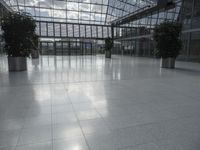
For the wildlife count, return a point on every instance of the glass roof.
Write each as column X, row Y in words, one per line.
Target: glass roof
column 89, row 11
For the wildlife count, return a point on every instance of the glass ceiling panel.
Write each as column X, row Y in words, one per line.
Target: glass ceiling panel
column 89, row 11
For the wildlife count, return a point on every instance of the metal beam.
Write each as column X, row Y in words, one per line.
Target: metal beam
column 151, row 35
column 66, row 37
column 141, row 13
column 4, row 4
column 85, row 24
column 134, row 37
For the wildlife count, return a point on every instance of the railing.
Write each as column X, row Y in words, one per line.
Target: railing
column 130, row 14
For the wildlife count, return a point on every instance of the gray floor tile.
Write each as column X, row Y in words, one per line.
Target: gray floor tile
column 95, row 126
column 149, row 146
column 70, row 144
column 68, row 130
column 118, row 104
column 9, row 138
column 37, row 146
column 35, row 135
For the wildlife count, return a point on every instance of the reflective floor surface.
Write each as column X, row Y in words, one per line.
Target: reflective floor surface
column 93, row 103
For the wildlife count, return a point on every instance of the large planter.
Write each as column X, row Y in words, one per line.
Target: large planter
column 35, row 54
column 168, row 63
column 17, row 63
column 108, row 54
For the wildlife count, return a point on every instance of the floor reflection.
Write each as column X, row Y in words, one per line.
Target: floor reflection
column 93, row 103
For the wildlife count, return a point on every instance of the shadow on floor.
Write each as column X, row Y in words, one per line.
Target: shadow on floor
column 188, row 71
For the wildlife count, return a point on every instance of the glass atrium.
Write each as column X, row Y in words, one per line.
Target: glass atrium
column 72, row 97
column 79, row 27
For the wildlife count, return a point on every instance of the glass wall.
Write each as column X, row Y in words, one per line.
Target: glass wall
column 190, row 18
column 68, row 47
column 141, row 36
column 194, row 52
column 88, row 20
column 72, row 30
column 3, row 11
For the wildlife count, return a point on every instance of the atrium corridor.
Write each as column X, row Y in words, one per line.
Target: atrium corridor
column 93, row 103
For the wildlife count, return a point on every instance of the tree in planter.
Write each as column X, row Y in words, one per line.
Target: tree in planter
column 19, row 36
column 168, row 43
column 108, row 46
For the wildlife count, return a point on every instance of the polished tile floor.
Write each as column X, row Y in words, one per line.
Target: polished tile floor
column 92, row 103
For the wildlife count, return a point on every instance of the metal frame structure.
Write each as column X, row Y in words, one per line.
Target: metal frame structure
column 87, row 11
column 143, row 12
column 4, row 9
column 69, row 47
column 89, row 21
column 93, row 12
column 50, row 29
column 190, row 18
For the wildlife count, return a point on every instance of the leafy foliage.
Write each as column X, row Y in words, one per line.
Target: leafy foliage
column 166, row 36
column 19, row 34
column 108, row 44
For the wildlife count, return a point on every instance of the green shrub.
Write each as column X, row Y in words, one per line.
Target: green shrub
column 108, row 44
column 166, row 36
column 19, row 34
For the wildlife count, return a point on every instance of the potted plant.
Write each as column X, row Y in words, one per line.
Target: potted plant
column 18, row 34
column 108, row 47
column 168, row 42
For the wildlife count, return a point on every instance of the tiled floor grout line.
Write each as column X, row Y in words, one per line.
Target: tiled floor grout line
column 151, row 123
column 18, row 139
column 21, row 131
column 73, row 82
column 33, row 126
column 41, row 142
column 51, row 120
column 74, row 110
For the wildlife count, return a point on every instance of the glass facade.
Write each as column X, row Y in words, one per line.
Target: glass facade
column 190, row 18
column 80, row 26
column 89, row 11
column 4, row 9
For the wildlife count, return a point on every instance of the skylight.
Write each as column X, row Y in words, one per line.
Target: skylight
column 86, row 11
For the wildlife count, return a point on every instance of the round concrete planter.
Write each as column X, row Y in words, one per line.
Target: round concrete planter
column 17, row 63
column 108, row 54
column 168, row 63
